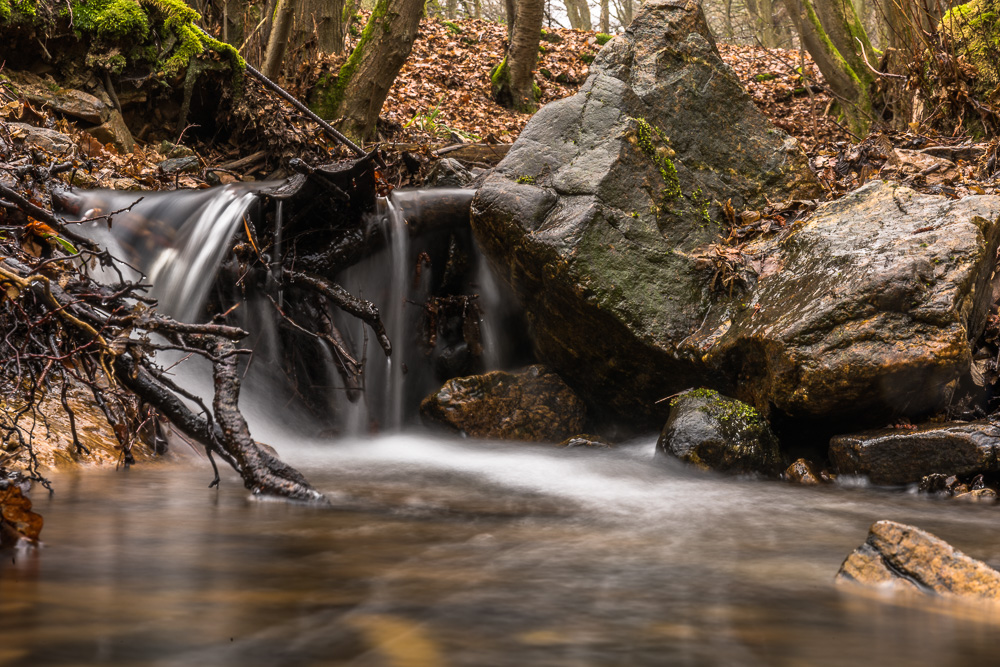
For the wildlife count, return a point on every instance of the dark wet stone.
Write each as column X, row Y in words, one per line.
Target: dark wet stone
column 180, row 164
column 449, row 173
column 719, row 433
column 898, row 556
column 865, row 309
column 43, row 138
column 532, row 404
column 903, row 456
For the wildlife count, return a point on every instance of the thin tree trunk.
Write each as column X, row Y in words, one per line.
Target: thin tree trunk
column 605, row 16
column 357, row 93
column 578, row 12
column 510, row 10
column 834, row 37
column 513, row 79
column 276, row 45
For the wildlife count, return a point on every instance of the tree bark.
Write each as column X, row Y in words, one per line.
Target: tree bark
column 578, row 12
column 357, row 93
column 278, row 41
column 513, row 79
column 605, row 17
column 835, row 38
column 510, row 11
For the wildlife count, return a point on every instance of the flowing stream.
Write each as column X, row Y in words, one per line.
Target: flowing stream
column 446, row 551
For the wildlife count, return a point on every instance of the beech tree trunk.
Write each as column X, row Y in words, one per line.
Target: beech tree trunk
column 605, row 17
column 323, row 19
column 832, row 33
column 281, row 28
column 510, row 10
column 513, row 80
column 355, row 96
column 578, row 12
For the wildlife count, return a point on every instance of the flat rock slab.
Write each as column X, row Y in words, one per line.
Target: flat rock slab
column 43, row 138
column 904, row 456
column 898, row 556
column 69, row 102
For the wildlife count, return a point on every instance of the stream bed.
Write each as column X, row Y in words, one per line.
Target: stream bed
column 456, row 552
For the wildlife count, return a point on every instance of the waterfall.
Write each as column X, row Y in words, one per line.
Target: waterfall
column 180, row 239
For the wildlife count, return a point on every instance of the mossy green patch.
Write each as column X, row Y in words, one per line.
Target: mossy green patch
column 647, row 138
column 17, row 11
column 603, row 38
column 975, row 31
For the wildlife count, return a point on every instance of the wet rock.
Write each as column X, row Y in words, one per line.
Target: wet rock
column 449, row 173
column 586, row 440
column 966, row 487
column 532, row 404
column 896, row 555
column 68, row 102
column 171, row 149
column 17, row 521
column 719, row 433
column 43, row 138
column 180, row 165
column 115, row 132
column 903, row 456
column 602, row 219
column 804, row 472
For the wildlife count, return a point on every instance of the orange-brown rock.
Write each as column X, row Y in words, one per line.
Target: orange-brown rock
column 804, row 472
column 17, row 521
column 532, row 404
column 899, row 556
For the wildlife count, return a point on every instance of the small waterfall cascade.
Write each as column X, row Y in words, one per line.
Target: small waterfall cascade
column 177, row 239
column 440, row 304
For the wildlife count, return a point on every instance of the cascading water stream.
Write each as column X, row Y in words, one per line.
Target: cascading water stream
column 180, row 239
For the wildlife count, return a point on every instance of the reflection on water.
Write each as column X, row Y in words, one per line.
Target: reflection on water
column 473, row 554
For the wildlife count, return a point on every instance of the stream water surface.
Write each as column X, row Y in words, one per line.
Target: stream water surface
column 440, row 552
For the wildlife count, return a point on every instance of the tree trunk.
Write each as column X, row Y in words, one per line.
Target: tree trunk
column 578, row 12
column 278, row 42
column 451, row 10
column 605, row 17
column 513, row 79
column 835, row 38
column 358, row 91
column 510, row 10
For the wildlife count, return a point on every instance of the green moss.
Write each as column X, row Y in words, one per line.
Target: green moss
column 603, row 38
column 550, row 36
column 526, row 180
column 587, row 57
column 701, row 392
column 453, row 28
column 17, row 11
column 647, row 137
column 975, row 31
column 765, row 77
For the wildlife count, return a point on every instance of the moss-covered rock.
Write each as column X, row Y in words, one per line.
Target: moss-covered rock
column 715, row 432
column 974, row 29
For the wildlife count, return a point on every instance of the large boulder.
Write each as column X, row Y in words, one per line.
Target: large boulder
column 716, row 432
column 905, row 456
column 532, row 404
column 898, row 556
column 604, row 215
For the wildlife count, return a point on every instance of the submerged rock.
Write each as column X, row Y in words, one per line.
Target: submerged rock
column 532, row 404
column 905, row 456
column 17, row 521
column 586, row 440
column 898, row 556
column 602, row 219
column 719, row 433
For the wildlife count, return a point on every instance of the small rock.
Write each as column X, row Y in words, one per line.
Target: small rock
column 719, row 433
column 17, row 521
column 171, row 149
column 804, row 472
column 43, row 138
column 115, row 132
column 449, row 173
column 902, row 456
column 180, row 165
column 532, row 404
column 585, row 440
column 899, row 556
